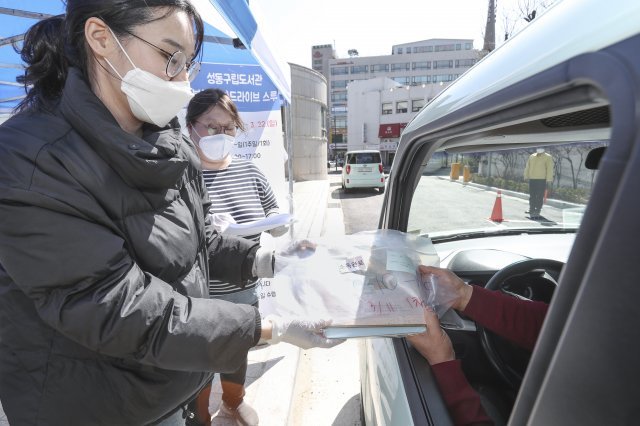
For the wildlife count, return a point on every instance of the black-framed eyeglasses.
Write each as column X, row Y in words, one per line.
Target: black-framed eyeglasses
column 216, row 130
column 177, row 61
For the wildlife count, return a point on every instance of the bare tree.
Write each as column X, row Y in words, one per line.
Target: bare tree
column 508, row 24
column 527, row 10
column 575, row 155
column 557, row 165
column 509, row 162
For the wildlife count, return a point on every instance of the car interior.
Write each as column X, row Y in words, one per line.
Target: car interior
column 585, row 99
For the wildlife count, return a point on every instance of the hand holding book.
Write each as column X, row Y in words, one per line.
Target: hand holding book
column 368, row 284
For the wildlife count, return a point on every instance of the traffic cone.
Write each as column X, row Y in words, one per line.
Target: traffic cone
column 496, row 214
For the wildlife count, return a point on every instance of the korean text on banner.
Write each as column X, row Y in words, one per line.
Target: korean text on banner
column 259, row 103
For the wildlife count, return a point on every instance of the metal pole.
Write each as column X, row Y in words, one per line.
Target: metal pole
column 288, row 137
column 335, row 144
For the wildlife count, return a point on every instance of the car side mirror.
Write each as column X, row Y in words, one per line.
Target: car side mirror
column 593, row 158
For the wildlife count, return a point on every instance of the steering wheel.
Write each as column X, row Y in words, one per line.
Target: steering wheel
column 489, row 340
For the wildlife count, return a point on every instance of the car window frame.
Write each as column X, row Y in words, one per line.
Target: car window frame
column 600, row 72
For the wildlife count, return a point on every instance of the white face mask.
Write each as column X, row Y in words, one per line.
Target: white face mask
column 216, row 147
column 152, row 99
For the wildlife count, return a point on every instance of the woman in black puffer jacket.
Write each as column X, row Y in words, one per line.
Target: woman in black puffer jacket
column 104, row 235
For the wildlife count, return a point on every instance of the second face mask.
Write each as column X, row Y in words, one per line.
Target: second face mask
column 216, row 147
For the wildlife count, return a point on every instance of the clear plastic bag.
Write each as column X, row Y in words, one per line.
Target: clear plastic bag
column 365, row 279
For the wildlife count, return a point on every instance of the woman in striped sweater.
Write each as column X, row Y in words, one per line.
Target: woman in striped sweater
column 239, row 189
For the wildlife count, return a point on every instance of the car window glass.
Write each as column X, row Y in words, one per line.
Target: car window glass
column 469, row 191
column 366, row 158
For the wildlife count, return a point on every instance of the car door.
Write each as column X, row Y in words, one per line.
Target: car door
column 583, row 370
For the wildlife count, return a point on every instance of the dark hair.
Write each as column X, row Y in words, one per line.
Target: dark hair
column 54, row 44
column 203, row 101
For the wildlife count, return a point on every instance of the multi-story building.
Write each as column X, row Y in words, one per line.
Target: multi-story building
column 429, row 65
column 320, row 57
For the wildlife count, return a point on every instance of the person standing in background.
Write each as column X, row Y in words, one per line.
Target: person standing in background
column 539, row 173
column 239, row 189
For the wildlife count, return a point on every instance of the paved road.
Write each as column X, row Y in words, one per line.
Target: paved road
column 439, row 204
column 360, row 207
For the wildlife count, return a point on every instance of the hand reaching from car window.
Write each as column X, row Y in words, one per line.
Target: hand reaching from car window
column 449, row 283
column 434, row 344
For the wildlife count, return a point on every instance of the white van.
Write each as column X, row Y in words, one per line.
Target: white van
column 363, row 169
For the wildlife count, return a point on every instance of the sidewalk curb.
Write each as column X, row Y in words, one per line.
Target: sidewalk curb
column 272, row 370
column 322, row 391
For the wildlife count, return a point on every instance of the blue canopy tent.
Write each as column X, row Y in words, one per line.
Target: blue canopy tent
column 232, row 36
column 233, row 15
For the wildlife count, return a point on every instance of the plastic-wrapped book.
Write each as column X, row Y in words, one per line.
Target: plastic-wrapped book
column 367, row 284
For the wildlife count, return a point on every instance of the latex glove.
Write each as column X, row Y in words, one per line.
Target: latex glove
column 279, row 231
column 298, row 249
column 304, row 334
column 221, row 221
column 263, row 263
column 445, row 288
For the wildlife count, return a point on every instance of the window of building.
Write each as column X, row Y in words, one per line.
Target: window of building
column 420, row 79
column 458, row 46
column 423, row 65
column 468, row 46
column 465, row 62
column 338, row 84
column 442, row 64
column 359, row 69
column 340, row 122
column 339, row 96
column 317, row 62
column 402, row 106
column 403, row 66
column 379, row 67
column 399, row 50
column 439, row 78
column 445, row 47
column 323, row 120
column 339, row 70
column 387, row 108
column 417, row 104
column 402, row 80
column 338, row 109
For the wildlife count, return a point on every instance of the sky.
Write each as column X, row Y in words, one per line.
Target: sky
column 371, row 27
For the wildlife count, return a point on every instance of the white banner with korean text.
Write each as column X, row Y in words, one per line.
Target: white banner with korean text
column 258, row 102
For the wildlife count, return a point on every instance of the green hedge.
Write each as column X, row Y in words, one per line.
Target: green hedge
column 498, row 182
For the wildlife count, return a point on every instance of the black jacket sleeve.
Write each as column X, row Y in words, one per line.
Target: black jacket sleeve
column 84, row 284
